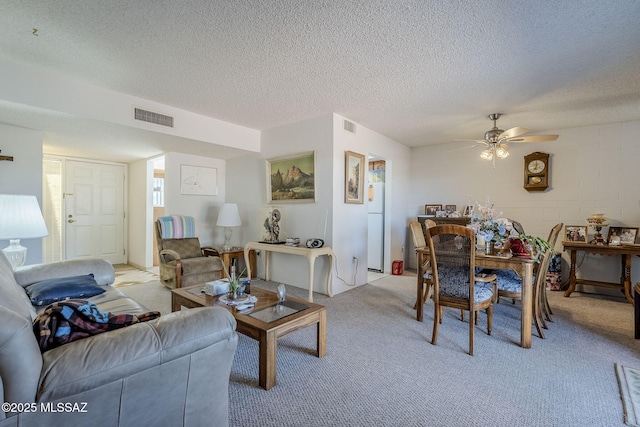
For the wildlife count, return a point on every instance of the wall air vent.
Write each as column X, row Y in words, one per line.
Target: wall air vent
column 151, row 117
column 349, row 126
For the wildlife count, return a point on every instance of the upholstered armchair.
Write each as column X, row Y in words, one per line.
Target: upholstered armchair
column 183, row 262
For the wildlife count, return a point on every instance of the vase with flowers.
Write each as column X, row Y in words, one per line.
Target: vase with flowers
column 490, row 228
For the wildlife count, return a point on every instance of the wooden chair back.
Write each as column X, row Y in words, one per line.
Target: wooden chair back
column 452, row 254
column 417, row 234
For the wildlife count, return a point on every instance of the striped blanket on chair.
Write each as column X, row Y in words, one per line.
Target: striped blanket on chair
column 177, row 226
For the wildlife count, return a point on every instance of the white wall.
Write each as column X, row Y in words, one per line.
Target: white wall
column 247, row 186
column 203, row 208
column 351, row 220
column 593, row 169
column 346, row 229
column 140, row 216
column 39, row 88
column 23, row 175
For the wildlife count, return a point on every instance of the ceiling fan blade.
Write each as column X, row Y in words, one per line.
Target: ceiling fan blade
column 466, row 147
column 476, row 141
column 534, row 138
column 510, row 133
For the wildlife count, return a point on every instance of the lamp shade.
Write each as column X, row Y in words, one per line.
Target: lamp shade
column 20, row 217
column 229, row 216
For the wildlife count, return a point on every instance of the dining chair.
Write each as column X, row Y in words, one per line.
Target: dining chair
column 553, row 238
column 419, row 242
column 452, row 255
column 510, row 284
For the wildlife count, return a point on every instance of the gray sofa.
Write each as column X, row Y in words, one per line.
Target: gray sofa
column 173, row 370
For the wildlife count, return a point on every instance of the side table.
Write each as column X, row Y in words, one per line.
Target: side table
column 626, row 252
column 228, row 256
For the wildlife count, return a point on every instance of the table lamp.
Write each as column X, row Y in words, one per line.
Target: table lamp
column 227, row 218
column 597, row 221
column 20, row 218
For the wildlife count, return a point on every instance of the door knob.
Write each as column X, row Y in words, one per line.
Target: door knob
column 71, row 220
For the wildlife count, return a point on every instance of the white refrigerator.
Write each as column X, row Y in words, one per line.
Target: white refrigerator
column 375, row 204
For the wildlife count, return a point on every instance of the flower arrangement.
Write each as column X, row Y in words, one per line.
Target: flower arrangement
column 488, row 224
column 532, row 246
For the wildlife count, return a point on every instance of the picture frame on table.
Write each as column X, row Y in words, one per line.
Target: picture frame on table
column 430, row 210
column 575, row 233
column 291, row 179
column 354, row 169
column 441, row 214
column 622, row 235
column 468, row 210
column 449, row 209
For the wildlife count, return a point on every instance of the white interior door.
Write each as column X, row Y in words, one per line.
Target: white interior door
column 94, row 211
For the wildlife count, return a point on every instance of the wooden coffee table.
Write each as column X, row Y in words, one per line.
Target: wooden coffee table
column 266, row 334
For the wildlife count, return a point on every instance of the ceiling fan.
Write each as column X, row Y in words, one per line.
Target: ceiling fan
column 496, row 140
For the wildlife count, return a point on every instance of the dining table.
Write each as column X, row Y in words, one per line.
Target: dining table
column 521, row 265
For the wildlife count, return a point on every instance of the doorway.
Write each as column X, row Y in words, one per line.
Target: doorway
column 94, row 211
column 375, row 196
column 84, row 206
column 158, row 199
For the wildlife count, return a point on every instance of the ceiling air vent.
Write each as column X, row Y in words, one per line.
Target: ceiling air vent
column 151, row 117
column 349, row 126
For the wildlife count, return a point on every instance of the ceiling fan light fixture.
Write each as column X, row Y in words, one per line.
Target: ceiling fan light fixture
column 486, row 155
column 502, row 151
column 493, row 134
column 496, row 140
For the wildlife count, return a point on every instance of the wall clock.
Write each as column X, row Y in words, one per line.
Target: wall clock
column 536, row 171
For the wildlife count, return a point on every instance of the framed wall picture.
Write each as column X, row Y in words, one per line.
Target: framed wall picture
column 354, row 168
column 575, row 233
column 622, row 235
column 292, row 178
column 430, row 210
column 198, row 180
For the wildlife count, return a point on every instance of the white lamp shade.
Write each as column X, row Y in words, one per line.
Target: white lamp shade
column 20, row 217
column 229, row 216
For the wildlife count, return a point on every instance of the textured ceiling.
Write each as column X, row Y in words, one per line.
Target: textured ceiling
column 420, row 72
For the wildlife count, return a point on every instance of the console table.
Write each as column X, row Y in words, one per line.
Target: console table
column 626, row 251
column 308, row 253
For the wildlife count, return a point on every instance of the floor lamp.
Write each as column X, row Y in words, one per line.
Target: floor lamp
column 20, row 218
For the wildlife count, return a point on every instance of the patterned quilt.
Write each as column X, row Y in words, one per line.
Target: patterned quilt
column 74, row 319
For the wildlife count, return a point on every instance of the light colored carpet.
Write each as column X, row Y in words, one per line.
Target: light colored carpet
column 381, row 369
column 629, row 382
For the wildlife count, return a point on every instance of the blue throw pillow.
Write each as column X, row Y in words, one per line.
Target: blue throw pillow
column 52, row 290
